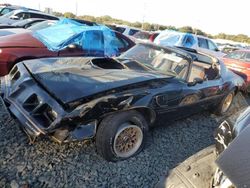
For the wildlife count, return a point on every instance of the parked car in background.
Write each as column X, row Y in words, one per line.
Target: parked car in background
column 18, row 47
column 145, row 36
column 22, row 14
column 37, row 26
column 223, row 165
column 153, row 36
column 22, row 24
column 3, row 5
column 188, row 40
column 142, row 36
column 239, row 62
column 9, row 8
column 126, row 30
column 116, row 100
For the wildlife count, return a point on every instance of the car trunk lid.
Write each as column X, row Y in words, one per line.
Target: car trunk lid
column 23, row 40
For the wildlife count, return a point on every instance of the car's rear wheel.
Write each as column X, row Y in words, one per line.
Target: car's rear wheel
column 225, row 104
column 121, row 135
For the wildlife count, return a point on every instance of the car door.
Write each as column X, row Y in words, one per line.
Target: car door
column 208, row 90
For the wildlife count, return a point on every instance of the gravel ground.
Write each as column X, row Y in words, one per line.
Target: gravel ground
column 48, row 164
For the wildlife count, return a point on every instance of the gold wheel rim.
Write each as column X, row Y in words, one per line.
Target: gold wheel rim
column 227, row 102
column 128, row 140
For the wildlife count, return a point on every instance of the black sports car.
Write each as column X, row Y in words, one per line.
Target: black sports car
column 116, row 100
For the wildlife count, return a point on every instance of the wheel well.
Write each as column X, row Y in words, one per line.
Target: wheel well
column 147, row 113
column 236, row 89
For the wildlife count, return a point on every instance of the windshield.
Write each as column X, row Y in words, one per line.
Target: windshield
column 159, row 60
column 8, row 14
column 5, row 11
column 42, row 25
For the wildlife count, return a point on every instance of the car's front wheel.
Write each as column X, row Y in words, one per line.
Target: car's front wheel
column 121, row 135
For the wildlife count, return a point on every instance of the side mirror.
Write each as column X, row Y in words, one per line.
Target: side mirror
column 14, row 17
column 195, row 81
column 216, row 49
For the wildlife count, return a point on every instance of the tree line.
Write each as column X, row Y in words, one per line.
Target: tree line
column 108, row 20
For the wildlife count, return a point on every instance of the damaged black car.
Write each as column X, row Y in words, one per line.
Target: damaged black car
column 116, row 100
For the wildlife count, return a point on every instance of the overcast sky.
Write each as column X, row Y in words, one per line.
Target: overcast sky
column 211, row 16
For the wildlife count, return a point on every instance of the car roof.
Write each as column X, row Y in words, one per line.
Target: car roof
column 32, row 11
column 20, row 7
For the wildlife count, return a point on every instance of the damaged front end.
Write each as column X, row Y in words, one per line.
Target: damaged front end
column 36, row 110
column 42, row 110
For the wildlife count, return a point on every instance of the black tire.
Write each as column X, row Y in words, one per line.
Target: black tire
column 110, row 127
column 219, row 110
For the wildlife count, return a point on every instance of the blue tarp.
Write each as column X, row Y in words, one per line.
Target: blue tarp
column 94, row 40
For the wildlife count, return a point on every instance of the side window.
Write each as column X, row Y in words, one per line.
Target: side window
column 202, row 43
column 33, row 15
column 247, row 58
column 26, row 15
column 204, row 72
column 188, row 41
column 212, row 46
column 22, row 15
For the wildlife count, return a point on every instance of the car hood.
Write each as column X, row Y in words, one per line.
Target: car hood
column 21, row 40
column 71, row 79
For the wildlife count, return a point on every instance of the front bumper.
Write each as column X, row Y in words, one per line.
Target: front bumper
column 38, row 113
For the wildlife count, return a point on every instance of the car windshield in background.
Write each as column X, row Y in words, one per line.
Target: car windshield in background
column 42, row 25
column 159, row 60
column 142, row 35
column 5, row 11
column 7, row 15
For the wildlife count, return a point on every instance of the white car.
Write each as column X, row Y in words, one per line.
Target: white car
column 188, row 40
column 17, row 15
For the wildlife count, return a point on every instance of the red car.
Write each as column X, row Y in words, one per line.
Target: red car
column 239, row 62
column 16, row 48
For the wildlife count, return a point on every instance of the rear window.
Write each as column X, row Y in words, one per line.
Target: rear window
column 120, row 29
column 132, row 32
